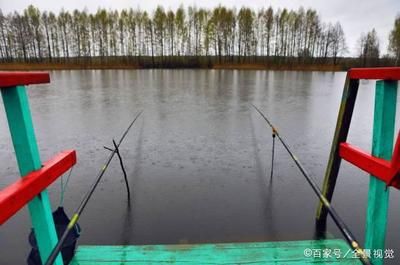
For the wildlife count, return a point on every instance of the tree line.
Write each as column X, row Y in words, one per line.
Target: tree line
column 226, row 34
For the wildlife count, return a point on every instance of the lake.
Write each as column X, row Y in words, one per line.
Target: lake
column 199, row 157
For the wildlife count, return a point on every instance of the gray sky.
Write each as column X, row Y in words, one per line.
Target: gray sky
column 356, row 16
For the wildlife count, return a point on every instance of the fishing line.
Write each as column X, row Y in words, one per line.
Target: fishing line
column 64, row 186
column 331, row 210
column 78, row 212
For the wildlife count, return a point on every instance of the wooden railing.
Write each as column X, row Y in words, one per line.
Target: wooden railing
column 384, row 168
column 31, row 188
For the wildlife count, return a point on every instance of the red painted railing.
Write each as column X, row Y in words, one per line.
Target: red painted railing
column 11, row 79
column 387, row 171
column 384, row 73
column 18, row 194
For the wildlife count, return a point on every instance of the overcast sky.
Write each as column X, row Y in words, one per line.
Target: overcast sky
column 356, row 16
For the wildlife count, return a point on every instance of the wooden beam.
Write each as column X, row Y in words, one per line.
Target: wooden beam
column 382, row 147
column 378, row 167
column 18, row 194
column 12, row 79
column 387, row 171
column 384, row 73
column 341, row 132
column 23, row 137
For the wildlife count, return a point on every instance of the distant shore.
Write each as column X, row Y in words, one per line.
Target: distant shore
column 304, row 67
column 189, row 62
column 228, row 66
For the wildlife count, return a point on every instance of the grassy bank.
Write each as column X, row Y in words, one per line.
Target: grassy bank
column 59, row 66
column 304, row 67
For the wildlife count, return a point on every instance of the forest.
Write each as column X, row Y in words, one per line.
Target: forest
column 185, row 37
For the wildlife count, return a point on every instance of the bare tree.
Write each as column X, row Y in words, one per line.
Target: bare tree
column 369, row 47
column 223, row 32
column 394, row 40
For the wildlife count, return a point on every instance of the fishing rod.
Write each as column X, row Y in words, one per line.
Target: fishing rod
column 331, row 210
column 78, row 212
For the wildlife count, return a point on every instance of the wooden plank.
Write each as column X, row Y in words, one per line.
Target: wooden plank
column 23, row 137
column 18, row 194
column 12, row 79
column 384, row 73
column 382, row 146
column 341, row 132
column 288, row 253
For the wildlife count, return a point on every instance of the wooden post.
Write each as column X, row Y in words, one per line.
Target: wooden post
column 382, row 147
column 341, row 132
column 28, row 159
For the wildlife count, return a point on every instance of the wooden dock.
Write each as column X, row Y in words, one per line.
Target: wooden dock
column 280, row 253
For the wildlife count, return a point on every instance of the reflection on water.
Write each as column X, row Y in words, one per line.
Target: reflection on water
column 198, row 160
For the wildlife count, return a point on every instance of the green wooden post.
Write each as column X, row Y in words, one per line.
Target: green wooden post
column 28, row 159
column 382, row 146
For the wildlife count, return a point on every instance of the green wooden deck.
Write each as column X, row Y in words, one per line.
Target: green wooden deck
column 290, row 253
